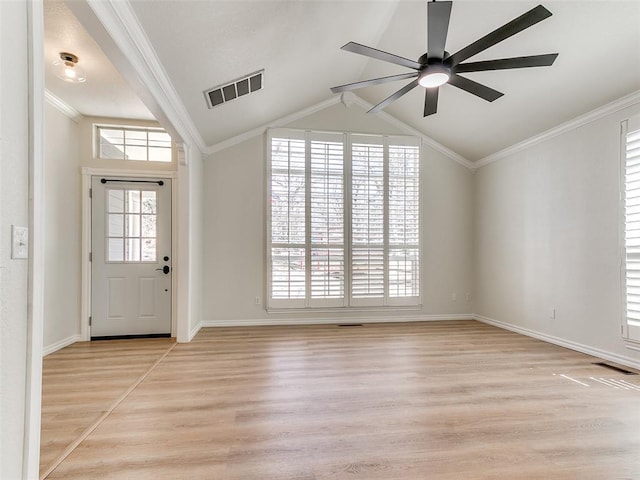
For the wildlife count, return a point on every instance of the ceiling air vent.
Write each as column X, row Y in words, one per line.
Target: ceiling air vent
column 235, row 89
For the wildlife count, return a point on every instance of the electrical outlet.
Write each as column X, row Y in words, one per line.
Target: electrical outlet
column 257, row 301
column 454, row 297
column 468, row 297
column 552, row 313
column 19, row 242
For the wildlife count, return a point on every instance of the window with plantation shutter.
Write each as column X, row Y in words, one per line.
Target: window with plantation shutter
column 367, row 220
column 343, row 220
column 631, row 198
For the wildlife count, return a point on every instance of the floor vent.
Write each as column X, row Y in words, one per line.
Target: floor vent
column 234, row 89
column 349, row 324
column 617, row 369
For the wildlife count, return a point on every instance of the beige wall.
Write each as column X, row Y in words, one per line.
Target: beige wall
column 234, row 222
column 547, row 223
column 62, row 229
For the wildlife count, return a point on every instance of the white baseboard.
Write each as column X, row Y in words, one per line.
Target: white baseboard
column 49, row 349
column 256, row 322
column 194, row 331
column 579, row 347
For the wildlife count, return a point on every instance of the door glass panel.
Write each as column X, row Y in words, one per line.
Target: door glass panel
column 116, row 250
column 148, row 202
column 116, row 225
column 148, row 249
column 131, row 235
column 132, row 250
column 116, row 201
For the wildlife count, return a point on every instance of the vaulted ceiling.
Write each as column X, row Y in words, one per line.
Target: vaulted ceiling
column 203, row 44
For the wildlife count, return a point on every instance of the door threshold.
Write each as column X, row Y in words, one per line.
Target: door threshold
column 129, row 337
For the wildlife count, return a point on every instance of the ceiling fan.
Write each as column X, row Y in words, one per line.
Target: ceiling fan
column 437, row 67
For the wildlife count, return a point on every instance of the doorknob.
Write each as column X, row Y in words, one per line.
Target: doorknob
column 166, row 269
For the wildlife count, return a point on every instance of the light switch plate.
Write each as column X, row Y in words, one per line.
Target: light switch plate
column 19, row 242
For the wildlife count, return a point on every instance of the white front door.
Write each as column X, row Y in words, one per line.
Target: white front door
column 131, row 257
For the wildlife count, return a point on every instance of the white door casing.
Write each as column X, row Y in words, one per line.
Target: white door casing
column 131, row 256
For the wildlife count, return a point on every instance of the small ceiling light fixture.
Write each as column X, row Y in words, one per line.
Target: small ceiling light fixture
column 67, row 68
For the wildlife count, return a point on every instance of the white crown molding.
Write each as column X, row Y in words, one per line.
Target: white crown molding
column 62, row 106
column 280, row 122
column 592, row 116
column 349, row 99
column 412, row 131
column 121, row 22
column 578, row 347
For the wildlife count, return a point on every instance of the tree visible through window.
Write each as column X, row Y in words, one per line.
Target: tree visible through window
column 344, row 218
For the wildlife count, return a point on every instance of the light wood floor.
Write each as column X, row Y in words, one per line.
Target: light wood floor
column 440, row 400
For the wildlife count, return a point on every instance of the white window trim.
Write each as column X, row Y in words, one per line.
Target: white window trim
column 347, row 303
column 140, row 128
column 630, row 333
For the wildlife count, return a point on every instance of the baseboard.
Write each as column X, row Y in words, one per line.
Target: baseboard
column 194, row 331
column 257, row 322
column 579, row 347
column 49, row 349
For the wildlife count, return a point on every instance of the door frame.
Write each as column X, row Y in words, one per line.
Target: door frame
column 85, row 302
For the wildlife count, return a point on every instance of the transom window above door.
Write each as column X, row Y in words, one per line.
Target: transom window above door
column 131, row 225
column 133, row 143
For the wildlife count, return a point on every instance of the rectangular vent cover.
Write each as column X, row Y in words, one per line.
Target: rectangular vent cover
column 235, row 89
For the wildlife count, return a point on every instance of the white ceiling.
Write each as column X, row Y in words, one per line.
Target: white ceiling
column 105, row 93
column 202, row 44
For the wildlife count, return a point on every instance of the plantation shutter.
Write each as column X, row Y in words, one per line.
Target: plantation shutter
column 367, row 220
column 327, row 256
column 403, row 262
column 287, row 286
column 343, row 220
column 632, row 228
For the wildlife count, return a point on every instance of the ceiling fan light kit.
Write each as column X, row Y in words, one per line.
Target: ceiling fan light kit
column 436, row 67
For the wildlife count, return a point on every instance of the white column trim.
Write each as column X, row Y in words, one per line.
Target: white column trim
column 35, row 283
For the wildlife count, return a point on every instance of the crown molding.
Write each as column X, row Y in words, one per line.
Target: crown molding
column 121, row 23
column 62, row 106
column 412, row 131
column 592, row 116
column 347, row 100
column 280, row 122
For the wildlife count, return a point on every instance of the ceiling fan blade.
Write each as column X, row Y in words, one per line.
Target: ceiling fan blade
column 507, row 63
column 394, row 97
column 374, row 81
column 438, row 15
column 482, row 91
column 524, row 21
column 380, row 55
column 430, row 101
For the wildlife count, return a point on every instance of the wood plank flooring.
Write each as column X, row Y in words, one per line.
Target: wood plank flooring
column 437, row 400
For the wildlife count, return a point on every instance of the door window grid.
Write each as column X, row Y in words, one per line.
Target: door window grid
column 131, row 226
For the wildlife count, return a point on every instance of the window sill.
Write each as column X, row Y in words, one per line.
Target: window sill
column 372, row 309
